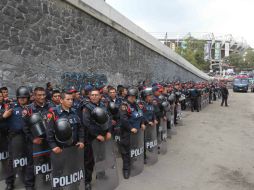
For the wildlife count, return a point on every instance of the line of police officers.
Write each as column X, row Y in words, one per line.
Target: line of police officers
column 73, row 120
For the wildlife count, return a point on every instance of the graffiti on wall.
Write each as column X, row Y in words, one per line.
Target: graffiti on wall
column 80, row 80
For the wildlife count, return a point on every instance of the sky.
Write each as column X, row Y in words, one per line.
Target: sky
column 179, row 17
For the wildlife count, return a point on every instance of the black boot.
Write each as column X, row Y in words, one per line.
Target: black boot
column 9, row 187
column 88, row 186
column 126, row 174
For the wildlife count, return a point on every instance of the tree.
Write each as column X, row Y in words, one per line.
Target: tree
column 241, row 61
column 193, row 51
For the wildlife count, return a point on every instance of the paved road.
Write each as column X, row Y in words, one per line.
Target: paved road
column 213, row 150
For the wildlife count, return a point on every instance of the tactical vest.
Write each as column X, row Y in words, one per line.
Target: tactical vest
column 135, row 116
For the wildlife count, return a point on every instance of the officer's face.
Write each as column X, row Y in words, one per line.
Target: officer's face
column 23, row 101
column 157, row 93
column 77, row 95
column 149, row 98
column 1, row 98
column 56, row 98
column 112, row 94
column 40, row 97
column 105, row 90
column 67, row 101
column 132, row 99
column 95, row 96
column 5, row 93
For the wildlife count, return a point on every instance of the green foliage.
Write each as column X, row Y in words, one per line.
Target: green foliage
column 242, row 61
column 194, row 53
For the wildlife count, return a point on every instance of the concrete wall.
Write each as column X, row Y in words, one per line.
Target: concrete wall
column 42, row 39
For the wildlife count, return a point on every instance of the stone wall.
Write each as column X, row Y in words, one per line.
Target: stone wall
column 42, row 39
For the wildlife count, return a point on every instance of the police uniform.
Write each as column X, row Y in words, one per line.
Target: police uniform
column 35, row 108
column 194, row 99
column 149, row 116
column 131, row 117
column 16, row 125
column 92, row 130
column 177, row 97
column 77, row 129
column 158, row 109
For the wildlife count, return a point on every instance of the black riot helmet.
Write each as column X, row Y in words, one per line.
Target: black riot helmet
column 101, row 117
column 171, row 98
column 162, row 98
column 23, row 92
column 178, row 94
column 146, row 92
column 113, row 108
column 132, row 92
column 165, row 105
column 37, row 124
column 63, row 131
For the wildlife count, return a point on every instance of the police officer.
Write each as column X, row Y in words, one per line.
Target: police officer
column 149, row 114
column 148, row 108
column 5, row 112
column 224, row 94
column 66, row 111
column 158, row 108
column 55, row 99
column 95, row 128
column 122, row 92
column 194, row 98
column 112, row 96
column 49, row 91
column 131, row 121
column 113, row 107
column 40, row 105
column 177, row 93
column 5, row 93
column 16, row 125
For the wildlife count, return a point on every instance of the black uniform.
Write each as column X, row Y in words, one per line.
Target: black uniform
column 34, row 108
column 131, row 117
column 92, row 130
column 224, row 94
column 177, row 97
column 75, row 123
column 16, row 124
column 194, row 99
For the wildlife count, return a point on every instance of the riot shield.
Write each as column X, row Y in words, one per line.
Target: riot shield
column 68, row 169
column 4, row 156
column 42, row 165
column 117, row 139
column 137, row 152
column 164, row 133
column 105, row 165
column 169, row 126
column 18, row 154
column 151, row 145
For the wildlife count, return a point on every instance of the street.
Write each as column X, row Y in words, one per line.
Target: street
column 212, row 150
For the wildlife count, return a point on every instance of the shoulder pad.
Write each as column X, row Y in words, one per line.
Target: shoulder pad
column 89, row 106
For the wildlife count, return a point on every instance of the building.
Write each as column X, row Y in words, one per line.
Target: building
column 216, row 48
